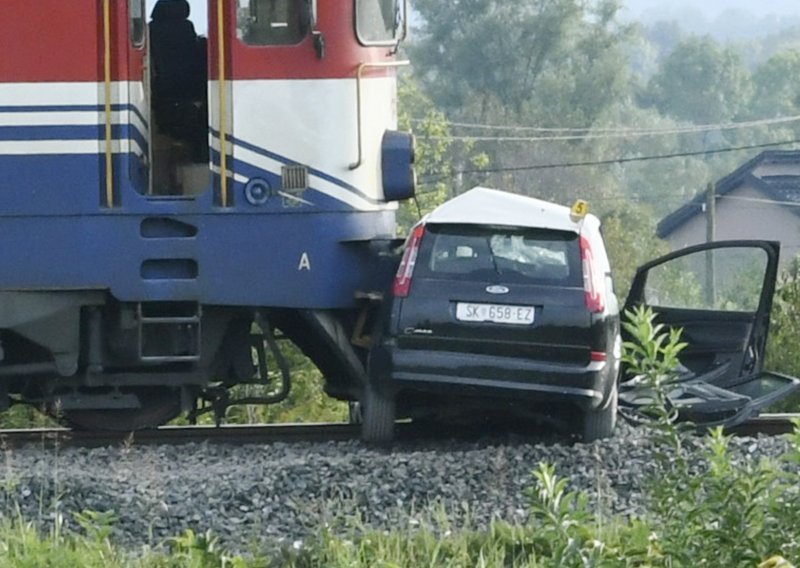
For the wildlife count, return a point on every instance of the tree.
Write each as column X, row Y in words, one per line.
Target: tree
column 505, row 59
column 433, row 161
column 435, row 152
column 700, row 82
column 629, row 233
column 776, row 84
column 544, row 63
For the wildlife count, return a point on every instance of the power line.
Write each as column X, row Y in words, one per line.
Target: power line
column 760, row 200
column 613, row 161
column 606, row 131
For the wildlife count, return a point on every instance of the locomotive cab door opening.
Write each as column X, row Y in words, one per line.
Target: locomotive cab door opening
column 178, row 62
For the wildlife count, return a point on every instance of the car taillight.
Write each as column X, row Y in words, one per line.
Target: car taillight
column 593, row 279
column 402, row 281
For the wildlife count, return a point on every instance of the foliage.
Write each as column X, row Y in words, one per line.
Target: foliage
column 25, row 416
column 777, row 86
column 201, row 551
column 525, row 52
column 782, row 353
column 433, row 163
column 436, row 153
column 307, row 401
column 701, row 82
column 24, row 545
column 522, row 63
column 573, row 67
column 710, row 511
column 629, row 234
column 652, row 359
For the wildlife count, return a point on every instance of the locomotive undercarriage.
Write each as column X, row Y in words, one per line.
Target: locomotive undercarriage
column 96, row 363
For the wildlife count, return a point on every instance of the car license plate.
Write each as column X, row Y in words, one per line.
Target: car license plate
column 497, row 313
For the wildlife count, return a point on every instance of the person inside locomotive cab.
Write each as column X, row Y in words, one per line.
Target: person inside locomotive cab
column 180, row 75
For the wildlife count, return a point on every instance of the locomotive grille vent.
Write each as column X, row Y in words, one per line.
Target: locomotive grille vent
column 295, row 178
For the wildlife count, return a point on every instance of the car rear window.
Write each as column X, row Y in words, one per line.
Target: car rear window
column 534, row 256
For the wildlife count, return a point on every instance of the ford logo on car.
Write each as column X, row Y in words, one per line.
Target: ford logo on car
column 497, row 290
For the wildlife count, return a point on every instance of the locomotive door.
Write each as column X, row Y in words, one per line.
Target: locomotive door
column 178, row 73
column 267, row 56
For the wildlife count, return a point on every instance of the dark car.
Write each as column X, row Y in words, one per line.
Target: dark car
column 500, row 302
column 505, row 304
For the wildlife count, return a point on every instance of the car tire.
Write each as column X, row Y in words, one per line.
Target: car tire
column 599, row 423
column 378, row 416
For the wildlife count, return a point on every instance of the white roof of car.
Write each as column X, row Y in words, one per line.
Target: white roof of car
column 484, row 206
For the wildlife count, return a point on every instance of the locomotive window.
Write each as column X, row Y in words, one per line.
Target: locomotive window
column 379, row 21
column 137, row 18
column 272, row 22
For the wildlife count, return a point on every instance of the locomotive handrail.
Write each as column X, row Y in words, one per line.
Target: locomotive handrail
column 223, row 111
column 109, row 135
column 361, row 67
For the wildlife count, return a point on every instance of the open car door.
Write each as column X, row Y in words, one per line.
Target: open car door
column 720, row 294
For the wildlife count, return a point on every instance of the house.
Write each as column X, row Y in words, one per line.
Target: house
column 760, row 200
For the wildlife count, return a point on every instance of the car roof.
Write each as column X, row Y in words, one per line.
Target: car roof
column 484, row 206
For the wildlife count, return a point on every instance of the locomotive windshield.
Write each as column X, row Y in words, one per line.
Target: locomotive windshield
column 379, row 21
column 272, row 22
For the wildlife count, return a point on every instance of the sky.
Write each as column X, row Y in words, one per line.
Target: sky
column 713, row 8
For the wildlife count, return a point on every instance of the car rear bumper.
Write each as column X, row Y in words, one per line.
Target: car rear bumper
column 492, row 376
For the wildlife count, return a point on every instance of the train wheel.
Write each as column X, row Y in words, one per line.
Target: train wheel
column 158, row 406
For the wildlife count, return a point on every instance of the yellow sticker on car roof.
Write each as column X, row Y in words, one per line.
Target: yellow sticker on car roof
column 579, row 210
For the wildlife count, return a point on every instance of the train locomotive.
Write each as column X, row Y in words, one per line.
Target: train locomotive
column 171, row 203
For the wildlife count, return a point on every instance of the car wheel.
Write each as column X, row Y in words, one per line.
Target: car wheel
column 599, row 423
column 378, row 416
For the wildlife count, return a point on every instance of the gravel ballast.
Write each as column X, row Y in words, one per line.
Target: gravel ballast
column 253, row 497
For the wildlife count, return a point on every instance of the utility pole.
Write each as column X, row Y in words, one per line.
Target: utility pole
column 711, row 230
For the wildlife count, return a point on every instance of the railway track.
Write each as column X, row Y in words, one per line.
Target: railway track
column 176, row 435
column 767, row 424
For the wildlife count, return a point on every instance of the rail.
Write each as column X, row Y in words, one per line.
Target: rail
column 767, row 424
column 178, row 435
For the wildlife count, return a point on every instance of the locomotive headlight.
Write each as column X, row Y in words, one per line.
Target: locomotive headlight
column 397, row 161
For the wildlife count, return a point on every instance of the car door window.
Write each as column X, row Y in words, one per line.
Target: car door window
column 725, row 279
